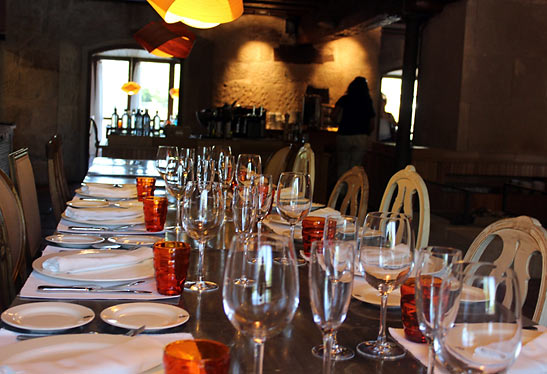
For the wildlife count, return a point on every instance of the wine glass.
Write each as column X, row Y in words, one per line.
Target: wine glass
column 247, row 166
column 164, row 152
column 294, row 198
column 202, row 217
column 226, row 164
column 244, row 208
column 433, row 265
column 175, row 181
column 330, row 282
column 264, row 186
column 344, row 229
column 188, row 154
column 483, row 328
column 267, row 305
column 386, row 257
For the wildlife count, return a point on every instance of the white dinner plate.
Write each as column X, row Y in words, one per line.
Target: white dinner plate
column 276, row 218
column 47, row 316
column 115, row 222
column 365, row 292
column 130, row 241
column 140, row 270
column 74, row 240
column 129, row 203
column 155, row 316
column 80, row 192
column 88, row 203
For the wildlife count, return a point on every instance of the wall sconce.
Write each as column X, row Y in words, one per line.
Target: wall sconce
column 174, row 93
column 166, row 39
column 131, row 88
column 201, row 14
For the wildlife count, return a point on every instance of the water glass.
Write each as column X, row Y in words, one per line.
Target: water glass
column 248, row 165
column 155, row 212
column 196, row 356
column 162, row 154
column 170, row 266
column 264, row 186
column 145, row 187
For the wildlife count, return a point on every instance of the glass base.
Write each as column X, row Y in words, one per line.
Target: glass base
column 200, row 286
column 284, row 261
column 244, row 282
column 340, row 353
column 388, row 351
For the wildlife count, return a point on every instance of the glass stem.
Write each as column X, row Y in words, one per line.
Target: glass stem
column 178, row 215
column 334, row 342
column 259, row 227
column 383, row 310
column 328, row 338
column 291, row 240
column 201, row 247
column 259, row 357
column 430, row 358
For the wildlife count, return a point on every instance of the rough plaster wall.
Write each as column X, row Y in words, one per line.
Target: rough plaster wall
column 504, row 80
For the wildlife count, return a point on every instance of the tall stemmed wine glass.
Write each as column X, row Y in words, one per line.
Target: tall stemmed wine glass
column 267, row 305
column 205, row 164
column 264, row 186
column 244, row 208
column 387, row 258
column 248, row 165
column 330, row 282
column 175, row 182
column 293, row 199
column 482, row 328
column 202, row 217
column 162, row 154
column 226, row 166
column 433, row 265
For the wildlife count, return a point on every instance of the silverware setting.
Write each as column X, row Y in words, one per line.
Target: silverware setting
column 95, row 229
column 132, row 332
column 122, row 288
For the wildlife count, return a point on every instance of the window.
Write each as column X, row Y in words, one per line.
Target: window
column 390, row 86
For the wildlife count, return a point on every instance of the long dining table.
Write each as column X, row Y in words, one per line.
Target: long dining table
column 289, row 351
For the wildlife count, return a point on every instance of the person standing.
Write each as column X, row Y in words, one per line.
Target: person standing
column 354, row 113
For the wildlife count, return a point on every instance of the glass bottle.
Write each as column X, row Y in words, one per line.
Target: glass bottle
column 133, row 118
column 157, row 123
column 126, row 122
column 112, row 129
column 146, row 123
column 138, row 123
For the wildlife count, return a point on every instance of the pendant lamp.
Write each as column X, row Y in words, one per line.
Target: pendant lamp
column 131, row 88
column 166, row 39
column 198, row 13
column 174, row 93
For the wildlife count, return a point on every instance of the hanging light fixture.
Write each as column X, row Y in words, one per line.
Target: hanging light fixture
column 166, row 39
column 174, row 93
column 201, row 14
column 131, row 88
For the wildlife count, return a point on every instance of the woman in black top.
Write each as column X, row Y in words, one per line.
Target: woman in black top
column 354, row 113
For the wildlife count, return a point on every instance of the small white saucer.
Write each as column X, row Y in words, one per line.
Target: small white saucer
column 74, row 241
column 47, row 316
column 155, row 316
column 130, row 241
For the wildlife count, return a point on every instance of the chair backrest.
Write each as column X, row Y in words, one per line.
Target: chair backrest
column 355, row 184
column 23, row 178
column 408, row 182
column 7, row 290
column 11, row 209
column 522, row 237
column 58, row 186
column 278, row 163
column 305, row 162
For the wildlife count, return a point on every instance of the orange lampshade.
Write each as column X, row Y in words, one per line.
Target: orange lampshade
column 166, row 39
column 198, row 13
column 131, row 88
column 174, row 92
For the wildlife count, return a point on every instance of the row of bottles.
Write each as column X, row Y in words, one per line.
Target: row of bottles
column 137, row 123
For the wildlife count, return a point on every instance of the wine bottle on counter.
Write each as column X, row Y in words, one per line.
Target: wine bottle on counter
column 126, row 122
column 132, row 119
column 138, row 123
column 113, row 128
column 157, row 124
column 146, row 123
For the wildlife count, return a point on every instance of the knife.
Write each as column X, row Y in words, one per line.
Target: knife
column 48, row 288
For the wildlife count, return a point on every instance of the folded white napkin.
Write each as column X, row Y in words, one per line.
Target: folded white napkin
column 108, row 190
column 138, row 354
column 82, row 262
column 324, row 212
column 101, row 214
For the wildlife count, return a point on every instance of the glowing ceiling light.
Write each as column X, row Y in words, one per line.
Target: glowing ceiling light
column 131, row 88
column 166, row 39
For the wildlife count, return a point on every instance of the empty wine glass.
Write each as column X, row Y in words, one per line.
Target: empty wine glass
column 264, row 186
column 226, row 165
column 175, row 181
column 188, row 154
column 294, row 198
column 339, row 228
column 267, row 305
column 483, row 330
column 202, row 206
column 247, row 166
column 330, row 283
column 244, row 208
column 164, row 152
column 386, row 257
column 433, row 265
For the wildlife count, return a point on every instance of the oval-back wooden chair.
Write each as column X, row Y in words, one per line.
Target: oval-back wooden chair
column 23, row 178
column 355, row 201
column 522, row 237
column 58, row 186
column 7, row 290
column 408, row 183
column 305, row 162
column 277, row 163
column 14, row 219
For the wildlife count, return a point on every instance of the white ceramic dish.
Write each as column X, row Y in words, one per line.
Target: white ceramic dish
column 129, row 203
column 365, row 292
column 80, row 192
column 47, row 316
column 141, row 270
column 130, row 241
column 155, row 316
column 88, row 203
column 117, row 222
column 74, row 240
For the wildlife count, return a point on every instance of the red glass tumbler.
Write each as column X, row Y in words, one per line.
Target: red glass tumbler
column 408, row 312
column 170, row 266
column 199, row 356
column 155, row 212
column 145, row 187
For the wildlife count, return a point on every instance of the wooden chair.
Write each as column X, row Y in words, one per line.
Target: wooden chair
column 58, row 186
column 355, row 201
column 522, row 237
column 7, row 290
column 23, row 178
column 305, row 162
column 12, row 211
column 408, row 183
column 277, row 163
